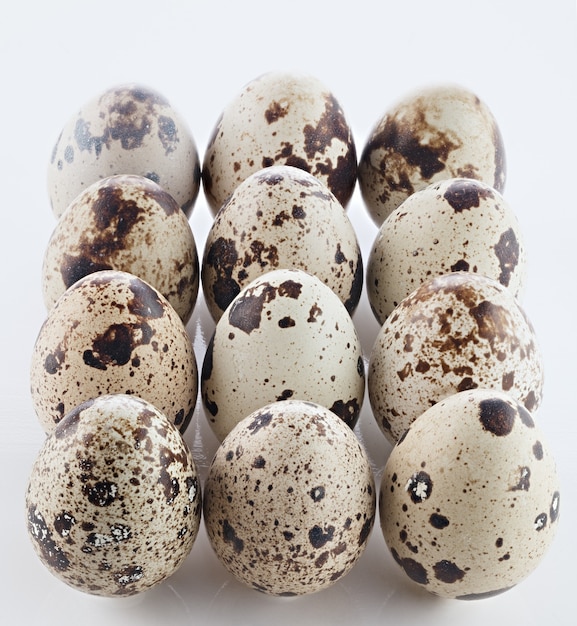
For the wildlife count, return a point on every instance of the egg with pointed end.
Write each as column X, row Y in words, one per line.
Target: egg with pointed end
column 469, row 497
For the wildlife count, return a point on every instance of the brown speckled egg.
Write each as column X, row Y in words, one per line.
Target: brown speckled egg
column 280, row 118
column 455, row 225
column 289, row 499
column 126, row 223
column 455, row 332
column 113, row 503
column 127, row 129
column 435, row 133
column 469, row 498
column 280, row 217
column 111, row 332
column 285, row 336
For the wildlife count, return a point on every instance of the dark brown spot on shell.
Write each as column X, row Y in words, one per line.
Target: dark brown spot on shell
column 319, row 536
column 146, row 301
column 246, row 310
column 261, row 420
column 507, row 251
column 448, row 572
column 466, row 194
column 222, row 257
column 419, row 486
column 497, row 416
column 438, row 521
column 51, row 553
column 348, row 411
column 229, row 536
column 116, row 344
column 414, row 570
column 524, row 481
column 275, row 112
column 101, row 494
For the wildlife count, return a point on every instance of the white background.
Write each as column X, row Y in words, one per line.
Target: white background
column 520, row 57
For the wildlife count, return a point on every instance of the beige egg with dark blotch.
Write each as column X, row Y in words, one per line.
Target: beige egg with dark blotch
column 113, row 502
column 111, row 332
column 455, row 225
column 127, row 129
column 126, row 223
column 435, row 133
column 280, row 118
column 285, row 336
column 289, row 499
column 280, row 217
column 469, row 497
column 455, row 332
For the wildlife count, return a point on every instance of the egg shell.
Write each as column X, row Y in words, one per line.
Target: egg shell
column 286, row 335
column 455, row 332
column 435, row 133
column 127, row 223
column 113, row 502
column 458, row 224
column 289, row 499
column 127, row 129
column 469, row 497
column 280, row 118
column 111, row 332
column 280, row 217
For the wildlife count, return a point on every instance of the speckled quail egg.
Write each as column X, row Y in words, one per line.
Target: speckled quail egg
column 289, row 499
column 455, row 332
column 455, row 225
column 285, row 336
column 113, row 503
column 111, row 332
column 435, row 133
column 127, row 129
column 469, row 497
column 280, row 217
column 280, row 118
column 128, row 223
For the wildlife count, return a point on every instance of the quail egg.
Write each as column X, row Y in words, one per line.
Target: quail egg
column 469, row 497
column 111, row 332
column 280, row 217
column 455, row 332
column 285, row 336
column 127, row 223
column 113, row 502
column 127, row 129
column 280, row 118
column 438, row 132
column 289, row 499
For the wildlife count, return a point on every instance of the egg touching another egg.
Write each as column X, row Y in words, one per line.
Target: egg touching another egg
column 280, row 217
column 113, row 502
column 469, row 497
column 111, row 332
column 280, row 118
column 457, row 224
column 126, row 129
column 289, row 500
column 285, row 336
column 127, row 223
column 434, row 133
column 455, row 332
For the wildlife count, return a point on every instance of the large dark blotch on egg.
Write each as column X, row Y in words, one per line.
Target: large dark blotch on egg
column 497, row 416
column 222, row 257
column 116, row 344
column 414, row 570
column 51, row 553
column 507, row 251
column 466, row 194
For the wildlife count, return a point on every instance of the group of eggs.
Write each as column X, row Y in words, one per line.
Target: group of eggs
column 469, row 496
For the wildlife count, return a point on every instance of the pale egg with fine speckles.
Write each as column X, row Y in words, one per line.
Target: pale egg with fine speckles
column 113, row 503
column 434, row 133
column 455, row 225
column 469, row 497
column 127, row 223
column 286, row 335
column 455, row 332
column 280, row 217
column 289, row 499
column 280, row 118
column 112, row 332
column 127, row 129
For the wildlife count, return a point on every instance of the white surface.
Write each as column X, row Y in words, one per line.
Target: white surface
column 520, row 57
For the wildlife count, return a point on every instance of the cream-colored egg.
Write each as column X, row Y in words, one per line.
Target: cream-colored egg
column 280, row 118
column 435, row 133
column 455, row 225
column 455, row 332
column 285, row 336
column 113, row 502
column 290, row 499
column 127, row 223
column 280, row 217
column 111, row 332
column 127, row 129
column 469, row 498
